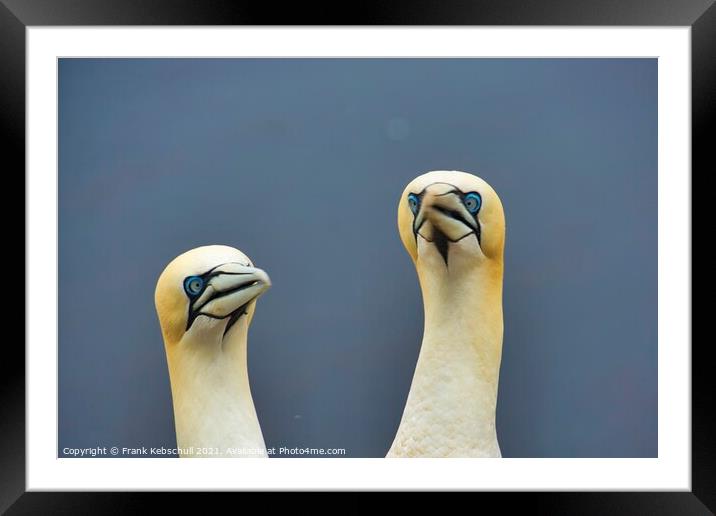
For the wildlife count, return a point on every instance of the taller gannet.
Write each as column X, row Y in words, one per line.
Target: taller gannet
column 453, row 226
column 205, row 299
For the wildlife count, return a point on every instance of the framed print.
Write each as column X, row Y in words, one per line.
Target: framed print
column 184, row 183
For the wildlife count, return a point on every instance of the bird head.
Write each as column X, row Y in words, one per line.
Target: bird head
column 206, row 292
column 446, row 216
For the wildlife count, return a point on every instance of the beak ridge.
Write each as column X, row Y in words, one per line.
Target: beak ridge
column 231, row 287
column 446, row 214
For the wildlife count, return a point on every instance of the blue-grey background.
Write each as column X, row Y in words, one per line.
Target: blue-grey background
column 299, row 163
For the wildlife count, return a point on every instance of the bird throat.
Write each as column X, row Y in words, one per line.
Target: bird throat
column 213, row 408
column 451, row 406
column 235, row 317
column 442, row 244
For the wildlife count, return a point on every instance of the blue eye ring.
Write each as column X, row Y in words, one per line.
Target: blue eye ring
column 193, row 285
column 413, row 203
column 473, row 202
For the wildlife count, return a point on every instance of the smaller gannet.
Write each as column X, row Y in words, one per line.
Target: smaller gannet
column 205, row 299
column 453, row 226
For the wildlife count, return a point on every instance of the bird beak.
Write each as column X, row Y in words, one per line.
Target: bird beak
column 443, row 215
column 230, row 289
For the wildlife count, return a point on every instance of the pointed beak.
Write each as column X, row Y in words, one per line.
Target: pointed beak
column 442, row 213
column 231, row 287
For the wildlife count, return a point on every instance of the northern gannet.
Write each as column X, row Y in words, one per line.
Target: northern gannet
column 205, row 299
column 453, row 226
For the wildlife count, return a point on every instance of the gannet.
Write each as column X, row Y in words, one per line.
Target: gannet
column 205, row 299
column 453, row 226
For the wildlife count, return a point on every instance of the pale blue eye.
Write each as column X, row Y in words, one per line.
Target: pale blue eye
column 193, row 285
column 473, row 201
column 414, row 203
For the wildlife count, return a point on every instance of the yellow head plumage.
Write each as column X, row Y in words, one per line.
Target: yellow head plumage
column 451, row 214
column 204, row 291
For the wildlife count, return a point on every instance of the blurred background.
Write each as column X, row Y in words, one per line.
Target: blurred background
column 299, row 163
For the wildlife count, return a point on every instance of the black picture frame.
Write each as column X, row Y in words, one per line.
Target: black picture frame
column 16, row 15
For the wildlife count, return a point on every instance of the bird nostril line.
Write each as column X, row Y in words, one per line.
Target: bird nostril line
column 450, row 213
column 450, row 192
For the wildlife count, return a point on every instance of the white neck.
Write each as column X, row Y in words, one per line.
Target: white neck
column 214, row 413
column 450, row 411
